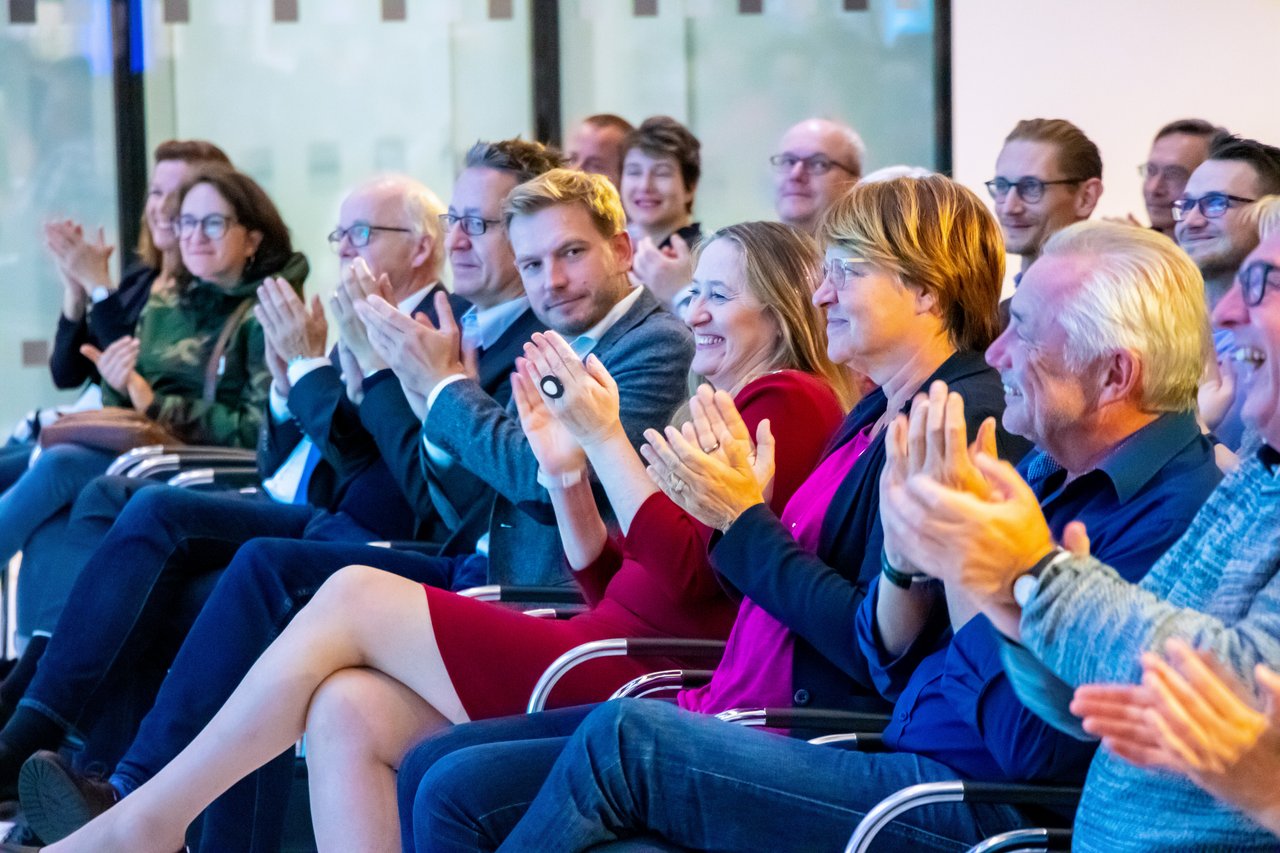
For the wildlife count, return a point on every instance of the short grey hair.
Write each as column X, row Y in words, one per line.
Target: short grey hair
column 422, row 209
column 1142, row 294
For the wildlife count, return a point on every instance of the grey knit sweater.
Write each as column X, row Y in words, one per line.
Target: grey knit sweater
column 1218, row 588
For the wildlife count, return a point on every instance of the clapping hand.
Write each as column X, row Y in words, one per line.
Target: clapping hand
column 553, row 445
column 117, row 366
column 1192, row 716
column 710, row 467
column 82, row 263
column 582, row 395
column 421, row 354
column 356, row 285
column 295, row 330
column 665, row 272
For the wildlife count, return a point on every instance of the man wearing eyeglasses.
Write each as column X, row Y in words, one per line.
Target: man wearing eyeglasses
column 1212, row 228
column 817, row 160
column 1179, row 147
column 1048, row 175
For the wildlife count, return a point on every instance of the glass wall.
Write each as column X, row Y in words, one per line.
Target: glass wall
column 312, row 106
column 739, row 73
column 57, row 160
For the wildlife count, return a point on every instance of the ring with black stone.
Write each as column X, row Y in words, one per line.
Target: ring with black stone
column 551, row 386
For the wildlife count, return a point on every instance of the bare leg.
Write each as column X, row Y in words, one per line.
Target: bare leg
column 360, row 726
column 361, row 617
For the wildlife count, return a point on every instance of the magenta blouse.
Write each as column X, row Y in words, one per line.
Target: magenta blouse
column 756, row 669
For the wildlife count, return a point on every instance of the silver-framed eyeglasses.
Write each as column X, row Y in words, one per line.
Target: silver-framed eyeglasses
column 839, row 271
column 359, row 234
column 472, row 226
column 214, row 226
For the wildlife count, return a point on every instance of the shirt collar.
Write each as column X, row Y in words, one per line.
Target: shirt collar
column 1137, row 459
column 413, row 300
column 586, row 342
column 490, row 323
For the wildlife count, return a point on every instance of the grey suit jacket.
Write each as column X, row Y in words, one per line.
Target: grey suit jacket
column 647, row 351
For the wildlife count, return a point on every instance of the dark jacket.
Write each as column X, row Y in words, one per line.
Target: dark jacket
column 817, row 595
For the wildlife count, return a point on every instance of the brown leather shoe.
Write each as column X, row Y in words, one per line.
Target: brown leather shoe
column 57, row 800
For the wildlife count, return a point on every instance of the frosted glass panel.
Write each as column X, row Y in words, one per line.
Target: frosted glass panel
column 57, row 159
column 739, row 80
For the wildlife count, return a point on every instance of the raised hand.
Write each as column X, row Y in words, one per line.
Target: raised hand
column 277, row 367
column 420, row 354
column 352, row 376
column 714, row 487
column 85, row 263
column 356, row 285
column 1217, row 392
column 556, row 449
column 296, row 330
column 117, row 367
column 665, row 272
column 588, row 403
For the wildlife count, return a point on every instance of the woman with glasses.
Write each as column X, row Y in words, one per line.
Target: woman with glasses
column 195, row 365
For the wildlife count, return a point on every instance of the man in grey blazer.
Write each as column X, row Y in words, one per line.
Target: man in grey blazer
column 573, row 253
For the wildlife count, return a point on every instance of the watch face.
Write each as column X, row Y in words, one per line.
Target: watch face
column 1023, row 588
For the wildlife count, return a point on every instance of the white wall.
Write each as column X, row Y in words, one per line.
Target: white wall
column 1117, row 68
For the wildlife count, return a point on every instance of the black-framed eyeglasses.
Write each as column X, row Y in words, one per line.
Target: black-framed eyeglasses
column 472, row 226
column 1030, row 190
column 1212, row 205
column 839, row 271
column 214, row 226
column 359, row 234
column 1255, row 279
column 814, row 164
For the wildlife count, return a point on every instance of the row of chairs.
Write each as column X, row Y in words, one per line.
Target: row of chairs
column 194, row 467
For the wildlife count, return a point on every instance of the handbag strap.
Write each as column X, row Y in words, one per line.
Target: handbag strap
column 234, row 319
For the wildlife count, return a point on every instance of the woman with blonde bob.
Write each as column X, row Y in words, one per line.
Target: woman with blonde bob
column 912, row 277
column 372, row 665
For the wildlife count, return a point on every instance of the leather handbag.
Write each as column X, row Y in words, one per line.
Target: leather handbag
column 117, row 429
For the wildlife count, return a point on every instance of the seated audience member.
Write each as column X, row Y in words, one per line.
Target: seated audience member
column 888, row 173
column 1215, row 228
column 96, row 309
column 913, row 272
column 570, row 245
column 660, row 169
column 1178, row 149
column 1193, row 717
column 1117, row 446
column 1216, row 588
column 595, row 146
column 166, row 548
column 817, row 161
column 1048, row 175
column 195, row 367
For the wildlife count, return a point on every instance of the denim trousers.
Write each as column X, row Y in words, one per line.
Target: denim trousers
column 263, row 588
column 636, row 769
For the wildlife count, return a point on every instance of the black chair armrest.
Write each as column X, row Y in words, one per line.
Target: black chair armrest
column 663, row 681
column 819, row 719
column 619, row 647
column 525, row 594
column 233, row 477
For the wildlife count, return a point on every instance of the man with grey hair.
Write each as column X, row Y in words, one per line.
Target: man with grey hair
column 817, row 160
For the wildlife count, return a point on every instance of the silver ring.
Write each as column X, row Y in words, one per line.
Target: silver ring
column 712, row 449
column 551, row 386
column 677, row 485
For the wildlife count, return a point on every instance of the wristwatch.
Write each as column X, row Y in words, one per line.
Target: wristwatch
column 899, row 578
column 560, row 481
column 1026, row 584
column 98, row 294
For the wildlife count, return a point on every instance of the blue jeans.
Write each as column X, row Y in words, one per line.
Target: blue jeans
column 266, row 584
column 643, row 766
column 43, row 491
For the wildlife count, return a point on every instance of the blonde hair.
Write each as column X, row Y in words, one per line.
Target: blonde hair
column 1264, row 215
column 1140, row 293
column 568, row 186
column 936, row 235
column 783, row 268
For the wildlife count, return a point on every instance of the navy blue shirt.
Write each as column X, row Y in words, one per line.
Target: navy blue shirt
column 952, row 700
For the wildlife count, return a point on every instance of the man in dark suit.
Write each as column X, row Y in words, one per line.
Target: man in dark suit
column 341, row 471
column 478, row 470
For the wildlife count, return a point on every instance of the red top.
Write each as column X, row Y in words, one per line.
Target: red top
column 660, row 582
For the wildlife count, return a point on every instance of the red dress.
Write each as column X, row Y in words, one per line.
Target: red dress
column 658, row 583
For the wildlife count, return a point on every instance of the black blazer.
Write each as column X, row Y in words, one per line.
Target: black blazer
column 322, row 411
column 817, row 596
column 112, row 318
